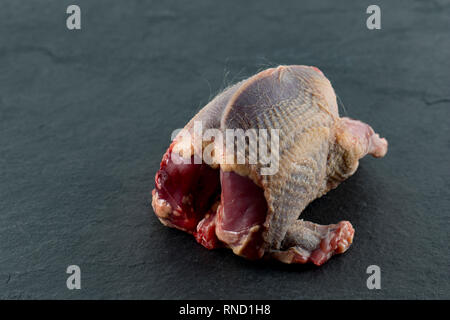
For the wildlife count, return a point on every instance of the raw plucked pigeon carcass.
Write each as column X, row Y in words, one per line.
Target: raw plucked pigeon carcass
column 253, row 207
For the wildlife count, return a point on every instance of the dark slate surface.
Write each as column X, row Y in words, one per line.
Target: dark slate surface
column 86, row 116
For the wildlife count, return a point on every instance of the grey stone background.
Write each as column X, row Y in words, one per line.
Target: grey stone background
column 85, row 117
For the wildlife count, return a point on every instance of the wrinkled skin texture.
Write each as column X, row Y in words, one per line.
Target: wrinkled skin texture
column 256, row 215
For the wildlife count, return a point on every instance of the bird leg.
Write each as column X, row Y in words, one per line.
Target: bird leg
column 306, row 241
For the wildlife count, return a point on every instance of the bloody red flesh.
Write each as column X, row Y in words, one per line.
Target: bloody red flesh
column 190, row 189
column 243, row 202
column 193, row 192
